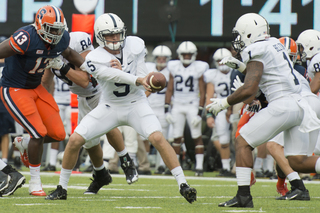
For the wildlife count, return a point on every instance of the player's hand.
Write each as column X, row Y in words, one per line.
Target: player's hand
column 143, row 82
column 253, row 107
column 169, row 118
column 196, row 121
column 210, row 122
column 233, row 63
column 236, row 83
column 114, row 63
column 55, row 63
column 217, row 105
column 93, row 81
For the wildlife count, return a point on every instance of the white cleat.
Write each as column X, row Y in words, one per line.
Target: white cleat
column 35, row 188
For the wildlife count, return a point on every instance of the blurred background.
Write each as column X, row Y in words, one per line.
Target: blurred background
column 207, row 23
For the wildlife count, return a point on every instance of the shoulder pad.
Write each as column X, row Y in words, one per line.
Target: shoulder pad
column 134, row 44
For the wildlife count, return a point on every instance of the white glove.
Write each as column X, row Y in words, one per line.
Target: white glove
column 237, row 83
column 233, row 63
column 55, row 63
column 196, row 121
column 217, row 105
column 169, row 118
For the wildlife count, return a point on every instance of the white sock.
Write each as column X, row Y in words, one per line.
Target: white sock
column 98, row 168
column 258, row 164
column 34, row 172
column 178, row 175
column 122, row 153
column 293, row 176
column 243, row 176
column 64, row 177
column 3, row 164
column 53, row 157
column 317, row 166
column 226, row 164
column 199, row 161
column 269, row 163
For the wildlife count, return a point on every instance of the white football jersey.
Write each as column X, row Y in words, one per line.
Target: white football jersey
column 119, row 89
column 186, row 80
column 61, row 91
column 81, row 42
column 278, row 79
column 314, row 66
column 157, row 99
column 220, row 81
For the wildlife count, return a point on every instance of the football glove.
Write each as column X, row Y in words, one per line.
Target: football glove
column 169, row 118
column 196, row 121
column 233, row 63
column 236, row 83
column 58, row 64
column 217, row 105
column 93, row 81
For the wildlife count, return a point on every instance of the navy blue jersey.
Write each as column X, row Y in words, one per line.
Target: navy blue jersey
column 302, row 71
column 25, row 69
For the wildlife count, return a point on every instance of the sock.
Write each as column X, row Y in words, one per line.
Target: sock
column 199, row 161
column 53, row 157
column 34, row 172
column 317, row 166
column 226, row 164
column 293, row 176
column 122, row 153
column 2, row 164
column 64, row 177
column 297, row 184
column 269, row 163
column 98, row 168
column 258, row 164
column 178, row 175
column 243, row 190
column 281, row 181
column 243, row 176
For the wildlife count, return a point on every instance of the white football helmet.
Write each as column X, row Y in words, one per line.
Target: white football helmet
column 187, row 47
column 163, row 51
column 309, row 40
column 218, row 55
column 249, row 28
column 109, row 23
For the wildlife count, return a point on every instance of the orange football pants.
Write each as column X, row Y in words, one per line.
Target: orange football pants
column 35, row 110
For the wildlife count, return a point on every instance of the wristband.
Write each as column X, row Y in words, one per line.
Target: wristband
column 224, row 103
column 166, row 108
column 200, row 109
column 209, row 114
column 242, row 67
column 64, row 69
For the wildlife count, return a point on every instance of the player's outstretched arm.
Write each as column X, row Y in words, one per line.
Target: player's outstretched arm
column 6, row 50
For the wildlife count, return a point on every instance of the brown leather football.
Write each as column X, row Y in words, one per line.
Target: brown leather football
column 157, row 81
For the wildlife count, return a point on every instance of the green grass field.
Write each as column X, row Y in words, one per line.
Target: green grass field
column 155, row 194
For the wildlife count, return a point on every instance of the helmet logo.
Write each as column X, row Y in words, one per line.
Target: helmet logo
column 41, row 13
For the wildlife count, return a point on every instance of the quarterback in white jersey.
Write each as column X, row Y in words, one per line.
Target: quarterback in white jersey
column 268, row 67
column 218, row 85
column 186, row 83
column 116, row 64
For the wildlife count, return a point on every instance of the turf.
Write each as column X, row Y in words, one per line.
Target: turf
column 155, row 194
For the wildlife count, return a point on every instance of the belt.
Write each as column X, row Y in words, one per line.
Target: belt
column 90, row 97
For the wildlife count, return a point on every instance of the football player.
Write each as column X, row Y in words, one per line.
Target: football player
column 27, row 53
column 263, row 57
column 218, row 85
column 162, row 55
column 185, row 84
column 116, row 64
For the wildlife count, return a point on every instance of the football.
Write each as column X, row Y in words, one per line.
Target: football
column 157, row 81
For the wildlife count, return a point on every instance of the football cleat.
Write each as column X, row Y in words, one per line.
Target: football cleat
column 198, row 173
column 189, row 193
column 226, row 173
column 58, row 194
column 130, row 171
column 23, row 150
column 295, row 194
column 17, row 180
column 4, row 182
column 35, row 188
column 49, row 168
column 98, row 182
column 282, row 190
column 238, row 201
column 160, row 170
